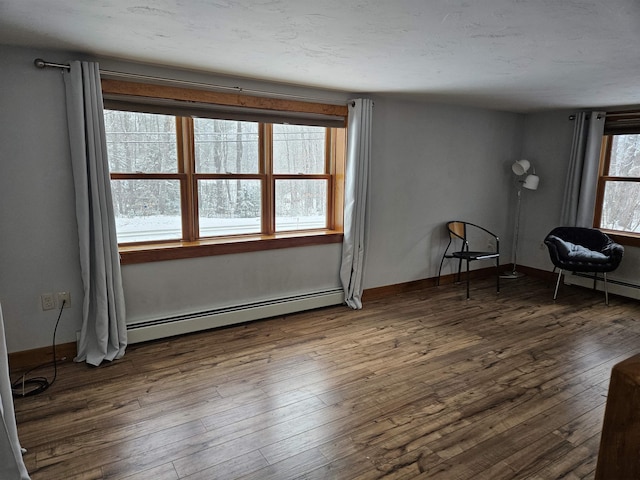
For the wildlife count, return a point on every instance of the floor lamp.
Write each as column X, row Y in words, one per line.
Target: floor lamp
column 530, row 182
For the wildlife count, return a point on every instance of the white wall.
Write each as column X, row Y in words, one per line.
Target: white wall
column 433, row 163
column 38, row 240
column 162, row 289
column 547, row 145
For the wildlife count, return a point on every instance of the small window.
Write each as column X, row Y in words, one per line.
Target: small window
column 618, row 196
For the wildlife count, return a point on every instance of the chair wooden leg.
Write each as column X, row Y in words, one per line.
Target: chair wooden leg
column 555, row 294
column 498, row 275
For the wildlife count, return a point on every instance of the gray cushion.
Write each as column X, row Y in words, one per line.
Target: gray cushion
column 572, row 251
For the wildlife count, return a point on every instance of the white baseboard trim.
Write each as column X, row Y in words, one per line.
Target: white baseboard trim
column 154, row 329
column 616, row 287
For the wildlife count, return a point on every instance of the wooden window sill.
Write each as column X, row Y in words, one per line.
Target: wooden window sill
column 156, row 252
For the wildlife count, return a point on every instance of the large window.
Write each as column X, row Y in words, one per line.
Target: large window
column 618, row 197
column 191, row 185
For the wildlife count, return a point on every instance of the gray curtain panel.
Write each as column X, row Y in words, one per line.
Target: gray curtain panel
column 104, row 332
column 11, row 464
column 356, row 200
column 579, row 201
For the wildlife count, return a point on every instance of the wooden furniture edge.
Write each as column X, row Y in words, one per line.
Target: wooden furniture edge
column 620, row 438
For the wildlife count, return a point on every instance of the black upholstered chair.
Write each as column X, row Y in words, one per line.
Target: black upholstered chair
column 587, row 250
column 461, row 236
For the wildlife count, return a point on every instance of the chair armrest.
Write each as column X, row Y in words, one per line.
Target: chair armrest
column 614, row 250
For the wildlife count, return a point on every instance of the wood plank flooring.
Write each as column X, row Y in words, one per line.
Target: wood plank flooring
column 420, row 385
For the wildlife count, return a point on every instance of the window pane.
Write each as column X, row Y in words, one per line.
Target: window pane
column 229, row 207
column 625, row 156
column 141, row 142
column 620, row 207
column 226, row 146
column 147, row 210
column 298, row 149
column 301, row 204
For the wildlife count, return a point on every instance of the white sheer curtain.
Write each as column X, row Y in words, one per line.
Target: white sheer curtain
column 104, row 333
column 355, row 200
column 11, row 463
column 579, row 201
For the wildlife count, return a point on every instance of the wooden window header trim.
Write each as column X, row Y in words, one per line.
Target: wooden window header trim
column 622, row 123
column 195, row 102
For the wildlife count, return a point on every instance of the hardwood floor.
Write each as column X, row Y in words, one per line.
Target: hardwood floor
column 422, row 384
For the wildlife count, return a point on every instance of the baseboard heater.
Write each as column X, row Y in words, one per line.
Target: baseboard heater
column 143, row 331
column 617, row 287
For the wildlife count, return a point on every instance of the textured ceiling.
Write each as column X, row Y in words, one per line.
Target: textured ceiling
column 512, row 55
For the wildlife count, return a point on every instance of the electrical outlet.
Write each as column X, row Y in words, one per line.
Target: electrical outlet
column 48, row 301
column 66, row 296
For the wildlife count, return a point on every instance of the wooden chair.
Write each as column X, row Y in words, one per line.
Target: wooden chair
column 461, row 234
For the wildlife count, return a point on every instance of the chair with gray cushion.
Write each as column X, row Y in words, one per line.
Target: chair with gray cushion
column 586, row 250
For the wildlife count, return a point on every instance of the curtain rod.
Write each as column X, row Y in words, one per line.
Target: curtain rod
column 40, row 63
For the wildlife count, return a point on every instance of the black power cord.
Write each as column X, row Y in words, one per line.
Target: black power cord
column 27, row 387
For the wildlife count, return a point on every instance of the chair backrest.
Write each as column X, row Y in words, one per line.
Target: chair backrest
column 590, row 238
column 470, row 234
column 457, row 229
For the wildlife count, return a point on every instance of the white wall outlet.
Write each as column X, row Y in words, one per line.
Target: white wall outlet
column 66, row 296
column 48, row 301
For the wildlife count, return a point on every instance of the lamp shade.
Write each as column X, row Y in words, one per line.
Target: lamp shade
column 520, row 167
column 531, row 182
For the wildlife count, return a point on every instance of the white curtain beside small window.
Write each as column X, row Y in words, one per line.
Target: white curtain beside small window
column 579, row 201
column 104, row 333
column 356, row 200
column 11, row 464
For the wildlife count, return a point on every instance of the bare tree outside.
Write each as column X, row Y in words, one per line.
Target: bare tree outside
column 300, row 203
column 141, row 142
column 228, row 206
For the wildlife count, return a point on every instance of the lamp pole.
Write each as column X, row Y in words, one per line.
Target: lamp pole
column 520, row 167
column 516, row 229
